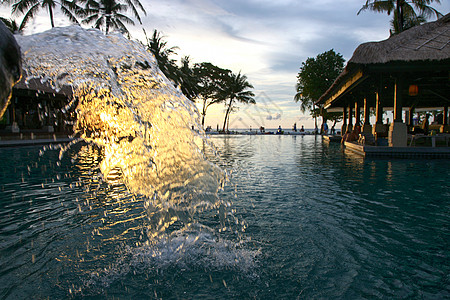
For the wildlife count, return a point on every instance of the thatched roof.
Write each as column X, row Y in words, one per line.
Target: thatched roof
column 430, row 41
column 420, row 45
column 36, row 85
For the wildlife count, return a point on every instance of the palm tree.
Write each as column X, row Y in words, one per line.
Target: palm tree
column 12, row 25
column 109, row 14
column 31, row 7
column 236, row 89
column 403, row 10
column 409, row 20
column 306, row 103
column 187, row 80
column 158, row 47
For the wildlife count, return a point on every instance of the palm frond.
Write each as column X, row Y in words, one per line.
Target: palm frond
column 69, row 15
column 90, row 19
column 123, row 18
column 29, row 15
column 378, row 6
column 23, row 6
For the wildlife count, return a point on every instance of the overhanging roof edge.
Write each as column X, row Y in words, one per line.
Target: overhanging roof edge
column 349, row 84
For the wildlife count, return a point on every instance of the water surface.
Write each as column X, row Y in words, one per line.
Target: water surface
column 300, row 220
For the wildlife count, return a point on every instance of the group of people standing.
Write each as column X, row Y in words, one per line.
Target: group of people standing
column 294, row 128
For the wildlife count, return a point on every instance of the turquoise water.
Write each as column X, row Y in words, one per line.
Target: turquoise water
column 303, row 221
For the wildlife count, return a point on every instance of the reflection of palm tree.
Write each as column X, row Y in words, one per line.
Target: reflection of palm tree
column 236, row 89
column 31, row 7
column 108, row 14
column 403, row 10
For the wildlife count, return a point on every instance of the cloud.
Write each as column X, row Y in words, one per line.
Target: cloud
column 276, row 117
column 267, row 40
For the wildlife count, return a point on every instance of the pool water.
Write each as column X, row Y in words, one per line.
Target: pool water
column 304, row 220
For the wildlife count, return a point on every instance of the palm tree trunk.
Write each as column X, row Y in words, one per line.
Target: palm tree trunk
column 315, row 125
column 204, row 114
column 399, row 9
column 226, row 115
column 50, row 12
column 108, row 23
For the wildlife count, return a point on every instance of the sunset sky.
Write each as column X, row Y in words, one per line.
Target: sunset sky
column 264, row 39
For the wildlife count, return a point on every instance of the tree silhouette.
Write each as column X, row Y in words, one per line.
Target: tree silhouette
column 210, row 82
column 235, row 89
column 109, row 14
column 315, row 77
column 12, row 25
column 404, row 15
column 31, row 7
column 158, row 47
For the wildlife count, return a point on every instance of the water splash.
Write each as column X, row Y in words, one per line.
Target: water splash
column 147, row 130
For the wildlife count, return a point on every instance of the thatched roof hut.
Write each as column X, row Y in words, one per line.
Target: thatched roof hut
column 419, row 56
column 36, row 104
column 36, row 86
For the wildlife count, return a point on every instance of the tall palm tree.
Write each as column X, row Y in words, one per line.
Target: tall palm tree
column 187, row 80
column 403, row 9
column 158, row 47
column 31, row 7
column 409, row 20
column 109, row 14
column 236, row 89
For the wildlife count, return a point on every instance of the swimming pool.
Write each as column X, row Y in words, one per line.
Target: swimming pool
column 303, row 220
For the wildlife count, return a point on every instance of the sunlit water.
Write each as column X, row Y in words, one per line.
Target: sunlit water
column 314, row 223
column 147, row 132
column 142, row 205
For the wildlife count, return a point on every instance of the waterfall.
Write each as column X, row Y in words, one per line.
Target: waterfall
column 125, row 105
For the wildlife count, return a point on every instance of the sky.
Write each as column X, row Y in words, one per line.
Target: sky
column 266, row 40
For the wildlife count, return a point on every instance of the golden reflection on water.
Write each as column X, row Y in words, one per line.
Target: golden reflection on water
column 148, row 134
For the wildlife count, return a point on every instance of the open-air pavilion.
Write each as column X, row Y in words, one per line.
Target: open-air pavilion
column 35, row 111
column 406, row 72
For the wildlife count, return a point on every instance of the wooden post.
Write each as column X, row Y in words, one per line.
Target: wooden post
column 379, row 109
column 357, row 114
column 398, row 86
column 398, row 132
column 445, row 112
column 410, row 116
column 379, row 131
column 344, row 125
column 367, row 128
column 350, row 119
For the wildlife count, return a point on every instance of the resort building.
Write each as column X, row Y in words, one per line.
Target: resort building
column 36, row 111
column 406, row 74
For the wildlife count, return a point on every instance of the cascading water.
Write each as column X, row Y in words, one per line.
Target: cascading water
column 148, row 133
column 145, row 126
